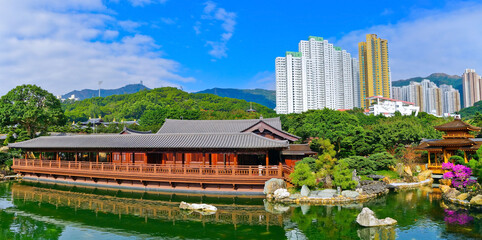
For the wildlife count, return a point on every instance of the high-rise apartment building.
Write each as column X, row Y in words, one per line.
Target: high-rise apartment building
column 430, row 98
column 319, row 76
column 472, row 87
column 374, row 69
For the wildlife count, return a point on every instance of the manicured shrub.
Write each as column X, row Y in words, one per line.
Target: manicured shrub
column 311, row 163
column 343, row 176
column 363, row 166
column 303, row 175
column 382, row 161
column 457, row 159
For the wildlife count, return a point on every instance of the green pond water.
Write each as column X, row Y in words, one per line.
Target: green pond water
column 37, row 211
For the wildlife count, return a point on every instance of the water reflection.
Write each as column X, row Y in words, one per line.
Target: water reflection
column 44, row 212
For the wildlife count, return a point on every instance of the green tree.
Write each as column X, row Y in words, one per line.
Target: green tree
column 382, row 160
column 303, row 175
column 343, row 176
column 32, row 108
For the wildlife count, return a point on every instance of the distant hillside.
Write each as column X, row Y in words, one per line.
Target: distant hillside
column 89, row 93
column 261, row 96
column 470, row 112
column 437, row 78
column 151, row 107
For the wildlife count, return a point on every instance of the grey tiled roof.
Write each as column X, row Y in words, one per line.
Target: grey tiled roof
column 236, row 141
column 213, row 126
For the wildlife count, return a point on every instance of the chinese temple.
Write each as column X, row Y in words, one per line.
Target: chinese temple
column 214, row 156
column 458, row 136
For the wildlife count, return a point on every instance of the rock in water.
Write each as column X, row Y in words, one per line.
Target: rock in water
column 424, row 175
column 197, row 207
column 477, row 200
column 350, row 194
column 273, row 184
column 305, row 191
column 463, row 196
column 444, row 188
column 281, row 194
column 367, row 219
column 452, row 193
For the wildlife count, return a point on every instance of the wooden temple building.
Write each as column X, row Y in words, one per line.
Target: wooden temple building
column 458, row 136
column 208, row 156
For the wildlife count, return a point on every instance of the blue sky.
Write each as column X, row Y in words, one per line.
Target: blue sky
column 73, row 44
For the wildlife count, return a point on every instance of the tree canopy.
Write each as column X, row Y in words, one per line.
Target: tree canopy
column 32, row 108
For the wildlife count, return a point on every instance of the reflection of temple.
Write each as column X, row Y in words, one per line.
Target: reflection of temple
column 148, row 209
column 457, row 137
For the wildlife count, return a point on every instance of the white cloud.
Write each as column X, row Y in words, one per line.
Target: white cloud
column 63, row 46
column 228, row 22
column 264, row 80
column 168, row 21
column 141, row 3
column 430, row 41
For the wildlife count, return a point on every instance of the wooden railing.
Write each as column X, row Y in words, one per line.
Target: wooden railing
column 151, row 170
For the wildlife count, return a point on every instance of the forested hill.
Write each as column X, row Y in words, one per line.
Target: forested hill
column 151, row 107
column 89, row 93
column 471, row 112
column 261, row 96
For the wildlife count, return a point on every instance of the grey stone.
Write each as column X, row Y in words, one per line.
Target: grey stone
column 275, row 208
column 305, row 191
column 338, row 190
column 350, row 194
column 367, row 219
column 273, row 184
column 376, row 177
column 197, row 207
column 326, row 193
column 281, row 194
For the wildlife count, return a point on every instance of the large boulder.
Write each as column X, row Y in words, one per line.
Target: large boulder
column 407, row 171
column 367, row 219
column 399, row 169
column 281, row 194
column 452, row 193
column 326, row 193
column 197, row 207
column 305, row 191
column 350, row 194
column 424, row 175
column 373, row 187
column 477, row 200
column 444, row 188
column 273, row 184
column 462, row 196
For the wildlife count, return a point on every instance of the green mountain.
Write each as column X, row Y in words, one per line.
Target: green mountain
column 151, row 107
column 261, row 96
column 90, row 93
column 470, row 112
column 437, row 78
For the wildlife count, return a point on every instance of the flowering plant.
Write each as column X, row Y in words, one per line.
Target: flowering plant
column 459, row 174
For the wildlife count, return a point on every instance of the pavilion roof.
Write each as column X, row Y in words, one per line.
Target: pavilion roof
column 456, row 124
column 127, row 130
column 214, row 126
column 231, row 141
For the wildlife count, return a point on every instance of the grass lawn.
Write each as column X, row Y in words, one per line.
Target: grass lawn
column 388, row 173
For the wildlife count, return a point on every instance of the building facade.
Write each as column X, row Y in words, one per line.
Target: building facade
column 472, row 87
column 374, row 69
column 388, row 107
column 443, row 101
column 319, row 76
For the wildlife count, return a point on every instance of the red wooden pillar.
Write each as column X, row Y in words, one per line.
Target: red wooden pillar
column 267, row 160
column 97, row 157
column 235, row 159
column 76, row 156
column 57, row 156
column 40, row 156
